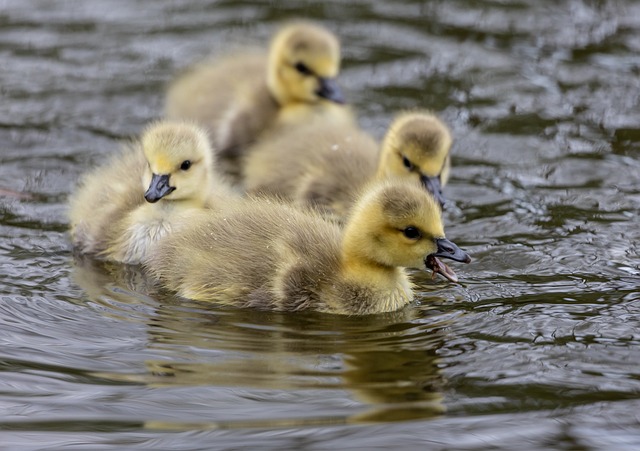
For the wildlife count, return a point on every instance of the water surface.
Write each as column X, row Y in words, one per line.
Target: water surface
column 536, row 348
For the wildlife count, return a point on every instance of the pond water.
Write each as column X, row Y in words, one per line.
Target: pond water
column 536, row 348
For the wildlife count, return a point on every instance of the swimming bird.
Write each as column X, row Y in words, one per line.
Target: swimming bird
column 270, row 255
column 239, row 96
column 123, row 207
column 326, row 163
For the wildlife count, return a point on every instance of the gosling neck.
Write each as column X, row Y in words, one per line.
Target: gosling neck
column 200, row 199
column 390, row 284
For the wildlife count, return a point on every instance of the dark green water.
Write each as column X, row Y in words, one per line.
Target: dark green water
column 536, row 348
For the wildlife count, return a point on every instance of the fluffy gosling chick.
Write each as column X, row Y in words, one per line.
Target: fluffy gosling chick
column 269, row 255
column 125, row 206
column 238, row 97
column 326, row 163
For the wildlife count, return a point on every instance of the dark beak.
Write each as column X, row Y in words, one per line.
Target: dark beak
column 448, row 249
column 158, row 188
column 432, row 184
column 330, row 90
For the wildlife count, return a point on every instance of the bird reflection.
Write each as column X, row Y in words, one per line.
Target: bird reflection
column 387, row 364
column 102, row 280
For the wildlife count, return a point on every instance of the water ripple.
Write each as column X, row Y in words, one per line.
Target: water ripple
column 536, row 347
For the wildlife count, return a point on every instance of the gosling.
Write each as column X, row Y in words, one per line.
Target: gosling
column 325, row 164
column 121, row 209
column 269, row 255
column 239, row 96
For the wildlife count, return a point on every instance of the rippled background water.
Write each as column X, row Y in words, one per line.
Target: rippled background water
column 537, row 348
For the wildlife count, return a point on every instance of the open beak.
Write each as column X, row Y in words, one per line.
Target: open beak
column 446, row 249
column 330, row 90
column 158, row 188
column 432, row 184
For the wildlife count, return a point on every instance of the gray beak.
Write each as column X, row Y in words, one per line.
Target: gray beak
column 449, row 249
column 432, row 184
column 330, row 90
column 158, row 188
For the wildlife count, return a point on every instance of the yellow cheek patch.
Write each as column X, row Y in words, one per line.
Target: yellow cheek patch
column 326, row 67
column 161, row 165
column 431, row 168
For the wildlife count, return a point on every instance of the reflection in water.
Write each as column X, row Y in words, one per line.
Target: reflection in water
column 542, row 348
column 106, row 281
column 387, row 362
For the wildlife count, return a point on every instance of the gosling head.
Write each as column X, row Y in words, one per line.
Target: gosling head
column 417, row 146
column 179, row 162
column 304, row 60
column 398, row 224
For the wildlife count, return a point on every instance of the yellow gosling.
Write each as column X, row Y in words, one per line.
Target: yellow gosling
column 239, row 96
column 121, row 209
column 326, row 163
column 269, row 255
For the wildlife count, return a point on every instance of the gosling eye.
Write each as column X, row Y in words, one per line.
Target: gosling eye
column 303, row 68
column 186, row 164
column 413, row 233
column 407, row 164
